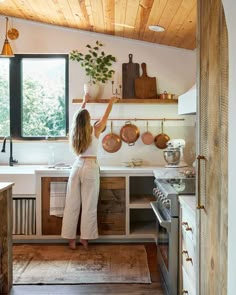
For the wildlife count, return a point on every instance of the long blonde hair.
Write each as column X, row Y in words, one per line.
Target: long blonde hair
column 81, row 131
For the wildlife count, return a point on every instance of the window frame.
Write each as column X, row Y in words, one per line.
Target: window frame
column 15, row 98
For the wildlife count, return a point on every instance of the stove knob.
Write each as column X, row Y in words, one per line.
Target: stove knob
column 159, row 196
column 167, row 203
column 162, row 198
column 155, row 191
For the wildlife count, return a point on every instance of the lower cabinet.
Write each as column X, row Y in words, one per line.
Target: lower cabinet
column 187, row 237
column 51, row 225
column 111, row 207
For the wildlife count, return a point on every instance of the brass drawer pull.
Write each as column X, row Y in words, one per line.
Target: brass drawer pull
column 185, row 252
column 187, row 227
column 189, row 259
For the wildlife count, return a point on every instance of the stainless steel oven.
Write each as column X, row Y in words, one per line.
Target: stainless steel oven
column 166, row 209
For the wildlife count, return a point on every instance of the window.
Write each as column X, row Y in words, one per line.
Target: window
column 36, row 89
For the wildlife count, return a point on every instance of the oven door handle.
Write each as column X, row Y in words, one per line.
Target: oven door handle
column 164, row 223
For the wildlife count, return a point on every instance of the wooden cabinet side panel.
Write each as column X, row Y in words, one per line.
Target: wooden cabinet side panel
column 6, row 239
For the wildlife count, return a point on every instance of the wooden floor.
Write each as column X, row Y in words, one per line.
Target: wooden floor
column 99, row 289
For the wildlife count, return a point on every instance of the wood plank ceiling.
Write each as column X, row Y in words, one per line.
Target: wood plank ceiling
column 123, row 18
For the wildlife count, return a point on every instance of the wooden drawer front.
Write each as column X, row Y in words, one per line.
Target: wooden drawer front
column 188, row 224
column 188, row 287
column 111, row 224
column 189, row 257
column 112, row 183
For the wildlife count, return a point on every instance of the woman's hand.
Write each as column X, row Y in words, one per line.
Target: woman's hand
column 114, row 99
column 85, row 100
column 86, row 97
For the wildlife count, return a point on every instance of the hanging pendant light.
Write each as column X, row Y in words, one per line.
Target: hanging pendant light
column 6, row 50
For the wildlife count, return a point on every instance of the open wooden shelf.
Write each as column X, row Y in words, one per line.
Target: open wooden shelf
column 131, row 100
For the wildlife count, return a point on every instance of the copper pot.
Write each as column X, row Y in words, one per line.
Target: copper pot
column 163, row 95
column 129, row 133
column 147, row 137
column 111, row 142
column 161, row 139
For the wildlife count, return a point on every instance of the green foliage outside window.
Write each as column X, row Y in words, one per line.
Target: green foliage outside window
column 43, row 99
column 4, row 98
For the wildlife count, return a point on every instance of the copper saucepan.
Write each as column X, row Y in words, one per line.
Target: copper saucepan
column 161, row 139
column 129, row 133
column 147, row 137
column 111, row 142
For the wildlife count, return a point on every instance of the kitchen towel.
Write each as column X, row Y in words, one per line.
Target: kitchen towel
column 57, row 198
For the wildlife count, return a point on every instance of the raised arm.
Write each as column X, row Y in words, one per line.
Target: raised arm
column 85, row 100
column 101, row 124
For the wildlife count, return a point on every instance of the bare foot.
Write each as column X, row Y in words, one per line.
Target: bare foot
column 72, row 244
column 84, row 243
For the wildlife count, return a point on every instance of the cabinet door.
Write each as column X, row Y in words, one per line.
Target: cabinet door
column 212, row 124
column 111, row 206
column 51, row 225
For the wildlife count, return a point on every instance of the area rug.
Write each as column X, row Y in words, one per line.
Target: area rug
column 57, row 264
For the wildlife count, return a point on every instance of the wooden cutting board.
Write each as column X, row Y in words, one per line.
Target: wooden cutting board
column 145, row 87
column 130, row 71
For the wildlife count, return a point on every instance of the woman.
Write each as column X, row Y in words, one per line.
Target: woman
column 84, row 180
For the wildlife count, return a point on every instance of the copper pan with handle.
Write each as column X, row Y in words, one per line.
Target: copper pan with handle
column 161, row 139
column 111, row 142
column 129, row 133
column 147, row 137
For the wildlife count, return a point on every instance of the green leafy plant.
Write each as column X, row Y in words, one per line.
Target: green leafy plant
column 96, row 63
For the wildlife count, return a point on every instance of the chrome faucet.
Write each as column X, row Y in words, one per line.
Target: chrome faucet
column 11, row 160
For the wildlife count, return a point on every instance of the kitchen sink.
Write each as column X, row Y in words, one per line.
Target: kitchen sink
column 23, row 177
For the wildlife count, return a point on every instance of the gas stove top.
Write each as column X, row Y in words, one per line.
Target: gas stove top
column 168, row 190
column 183, row 186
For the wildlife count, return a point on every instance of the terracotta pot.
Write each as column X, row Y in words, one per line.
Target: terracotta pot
column 129, row 133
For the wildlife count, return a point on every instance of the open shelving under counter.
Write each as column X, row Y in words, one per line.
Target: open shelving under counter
column 131, row 100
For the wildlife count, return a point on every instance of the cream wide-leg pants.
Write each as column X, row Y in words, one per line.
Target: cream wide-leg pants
column 82, row 190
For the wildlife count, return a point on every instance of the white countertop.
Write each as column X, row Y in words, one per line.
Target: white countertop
column 157, row 171
column 5, row 185
column 189, row 200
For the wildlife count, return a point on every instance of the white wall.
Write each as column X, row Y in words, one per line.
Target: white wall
column 230, row 12
column 174, row 69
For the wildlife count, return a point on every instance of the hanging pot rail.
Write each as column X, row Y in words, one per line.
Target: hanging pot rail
column 144, row 119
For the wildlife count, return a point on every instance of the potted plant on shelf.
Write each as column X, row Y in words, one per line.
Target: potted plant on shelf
column 97, row 67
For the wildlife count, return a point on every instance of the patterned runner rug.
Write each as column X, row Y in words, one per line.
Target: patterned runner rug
column 57, row 264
